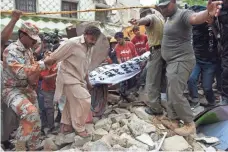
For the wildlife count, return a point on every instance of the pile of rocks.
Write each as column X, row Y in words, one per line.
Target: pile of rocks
column 120, row 130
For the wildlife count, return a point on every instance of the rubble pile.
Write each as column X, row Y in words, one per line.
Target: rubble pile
column 123, row 129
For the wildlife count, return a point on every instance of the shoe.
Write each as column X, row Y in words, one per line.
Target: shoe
column 208, row 105
column 194, row 100
column 186, row 130
column 151, row 112
column 171, row 124
column 20, row 146
column 8, row 145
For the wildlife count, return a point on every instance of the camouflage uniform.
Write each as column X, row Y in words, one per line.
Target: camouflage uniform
column 18, row 65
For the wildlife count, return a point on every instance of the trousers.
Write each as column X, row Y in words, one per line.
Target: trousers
column 177, row 76
column 77, row 107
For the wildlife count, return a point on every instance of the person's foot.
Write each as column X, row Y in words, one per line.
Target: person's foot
column 186, row 130
column 20, row 146
column 7, row 145
column 83, row 134
column 171, row 124
column 194, row 104
column 151, row 112
column 208, row 105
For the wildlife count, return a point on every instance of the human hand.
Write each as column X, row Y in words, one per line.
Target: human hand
column 16, row 14
column 214, row 7
column 33, row 79
column 133, row 21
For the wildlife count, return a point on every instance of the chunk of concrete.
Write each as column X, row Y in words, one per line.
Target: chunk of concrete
column 122, row 130
column 140, row 112
column 99, row 133
column 90, row 128
column 97, row 146
column 62, row 139
column 175, row 143
column 123, row 122
column 113, row 99
column 79, row 141
column 115, row 126
column 104, row 124
column 131, row 142
column 145, row 138
column 49, row 145
column 121, row 111
column 118, row 117
column 138, row 127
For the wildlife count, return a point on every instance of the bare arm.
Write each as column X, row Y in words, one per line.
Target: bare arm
column 143, row 21
column 199, row 18
column 8, row 30
column 213, row 10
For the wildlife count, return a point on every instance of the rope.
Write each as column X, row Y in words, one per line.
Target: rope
column 79, row 11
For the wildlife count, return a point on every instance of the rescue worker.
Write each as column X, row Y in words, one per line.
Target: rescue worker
column 177, row 51
column 20, row 76
column 154, row 22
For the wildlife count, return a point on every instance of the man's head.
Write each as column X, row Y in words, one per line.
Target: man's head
column 91, row 35
column 28, row 34
column 145, row 11
column 167, row 7
column 135, row 30
column 119, row 36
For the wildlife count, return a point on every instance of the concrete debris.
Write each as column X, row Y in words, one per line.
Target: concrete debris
column 155, row 136
column 62, row 139
column 208, row 140
column 97, row 146
column 115, row 126
column 179, row 141
column 197, row 147
column 79, row 141
column 132, row 142
column 90, row 128
column 99, row 133
column 145, row 138
column 122, row 130
column 123, row 122
column 95, row 120
column 104, row 124
column 66, row 147
column 49, row 145
column 160, row 126
column 118, row 117
column 121, row 111
column 140, row 112
column 118, row 148
column 70, row 150
column 108, row 111
column 138, row 127
column 113, row 99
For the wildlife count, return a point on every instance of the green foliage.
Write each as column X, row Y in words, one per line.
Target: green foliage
column 196, row 2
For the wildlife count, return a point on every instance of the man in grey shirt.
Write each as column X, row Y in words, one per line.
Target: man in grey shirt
column 177, row 51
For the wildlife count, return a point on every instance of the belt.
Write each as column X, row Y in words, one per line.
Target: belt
column 155, row 47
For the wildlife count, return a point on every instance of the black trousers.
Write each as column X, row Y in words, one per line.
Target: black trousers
column 224, row 57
